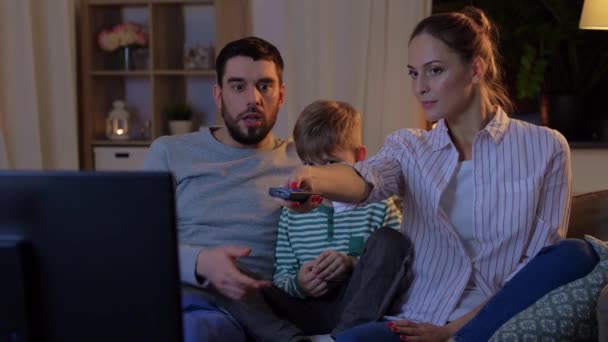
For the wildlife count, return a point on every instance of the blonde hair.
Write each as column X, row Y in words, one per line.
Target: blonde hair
column 325, row 126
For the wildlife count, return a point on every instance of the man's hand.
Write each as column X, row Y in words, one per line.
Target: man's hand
column 312, row 285
column 218, row 265
column 332, row 265
column 420, row 332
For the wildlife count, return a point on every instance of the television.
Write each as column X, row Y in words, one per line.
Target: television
column 88, row 256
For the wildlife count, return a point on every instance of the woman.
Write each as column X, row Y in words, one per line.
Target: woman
column 486, row 197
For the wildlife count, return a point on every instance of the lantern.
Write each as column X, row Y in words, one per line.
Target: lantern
column 117, row 123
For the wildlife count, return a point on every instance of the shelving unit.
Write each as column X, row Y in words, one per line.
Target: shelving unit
column 171, row 25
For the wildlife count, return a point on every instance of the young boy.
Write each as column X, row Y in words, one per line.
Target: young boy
column 317, row 252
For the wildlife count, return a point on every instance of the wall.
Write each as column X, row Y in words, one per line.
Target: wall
column 589, row 170
column 352, row 51
column 269, row 22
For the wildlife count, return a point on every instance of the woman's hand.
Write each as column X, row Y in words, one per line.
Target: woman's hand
column 335, row 182
column 412, row 331
column 302, row 179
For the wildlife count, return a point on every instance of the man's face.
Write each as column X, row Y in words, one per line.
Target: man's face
column 249, row 99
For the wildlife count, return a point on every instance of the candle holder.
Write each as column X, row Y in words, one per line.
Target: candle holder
column 117, row 123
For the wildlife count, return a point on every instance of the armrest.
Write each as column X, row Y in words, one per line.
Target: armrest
column 602, row 314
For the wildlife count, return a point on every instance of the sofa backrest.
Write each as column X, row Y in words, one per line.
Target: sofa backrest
column 589, row 215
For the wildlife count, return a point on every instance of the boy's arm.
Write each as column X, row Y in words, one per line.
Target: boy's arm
column 287, row 264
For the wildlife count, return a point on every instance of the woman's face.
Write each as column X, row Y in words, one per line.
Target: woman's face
column 441, row 82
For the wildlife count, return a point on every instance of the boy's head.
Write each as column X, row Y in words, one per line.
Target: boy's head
column 328, row 132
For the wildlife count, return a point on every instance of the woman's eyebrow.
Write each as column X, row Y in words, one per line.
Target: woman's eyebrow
column 425, row 64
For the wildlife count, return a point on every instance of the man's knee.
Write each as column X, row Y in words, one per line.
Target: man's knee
column 204, row 325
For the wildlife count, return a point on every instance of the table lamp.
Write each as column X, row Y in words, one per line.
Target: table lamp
column 594, row 15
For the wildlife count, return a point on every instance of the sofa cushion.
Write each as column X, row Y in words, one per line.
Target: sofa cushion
column 567, row 313
column 589, row 215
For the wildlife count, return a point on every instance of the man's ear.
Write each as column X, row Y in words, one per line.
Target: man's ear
column 360, row 153
column 217, row 95
column 478, row 70
column 281, row 94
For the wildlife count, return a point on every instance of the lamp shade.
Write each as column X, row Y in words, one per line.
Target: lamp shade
column 594, row 15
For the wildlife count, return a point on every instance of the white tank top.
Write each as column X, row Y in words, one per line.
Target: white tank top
column 457, row 204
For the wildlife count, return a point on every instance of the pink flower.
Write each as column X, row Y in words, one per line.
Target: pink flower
column 124, row 34
column 108, row 41
column 141, row 38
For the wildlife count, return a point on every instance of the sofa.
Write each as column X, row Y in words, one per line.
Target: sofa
column 589, row 215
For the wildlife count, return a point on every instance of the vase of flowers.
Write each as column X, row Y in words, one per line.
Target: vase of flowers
column 124, row 38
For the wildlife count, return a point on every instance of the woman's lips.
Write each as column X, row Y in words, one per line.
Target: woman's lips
column 427, row 104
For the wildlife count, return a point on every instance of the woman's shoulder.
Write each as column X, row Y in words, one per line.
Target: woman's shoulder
column 409, row 137
column 410, row 133
column 539, row 135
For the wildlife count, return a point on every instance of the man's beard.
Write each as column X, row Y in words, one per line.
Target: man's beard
column 253, row 135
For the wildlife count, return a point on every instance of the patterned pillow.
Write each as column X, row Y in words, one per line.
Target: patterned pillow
column 600, row 247
column 567, row 313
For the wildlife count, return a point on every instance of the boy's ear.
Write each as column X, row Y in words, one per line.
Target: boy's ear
column 360, row 153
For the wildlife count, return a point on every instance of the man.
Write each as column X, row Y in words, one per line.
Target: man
column 227, row 223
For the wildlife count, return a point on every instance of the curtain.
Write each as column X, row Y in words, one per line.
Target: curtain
column 38, row 111
column 354, row 51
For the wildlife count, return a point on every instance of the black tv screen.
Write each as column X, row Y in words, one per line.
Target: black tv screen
column 88, row 256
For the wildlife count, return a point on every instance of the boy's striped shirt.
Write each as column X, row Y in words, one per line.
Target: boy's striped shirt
column 303, row 236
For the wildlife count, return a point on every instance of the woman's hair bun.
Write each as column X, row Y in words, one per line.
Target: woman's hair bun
column 479, row 17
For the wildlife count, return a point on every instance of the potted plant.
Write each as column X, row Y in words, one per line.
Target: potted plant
column 179, row 116
column 573, row 69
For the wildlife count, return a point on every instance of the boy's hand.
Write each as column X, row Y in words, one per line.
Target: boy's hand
column 333, row 265
column 312, row 285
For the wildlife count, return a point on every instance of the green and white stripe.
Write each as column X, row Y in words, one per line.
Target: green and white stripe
column 303, row 236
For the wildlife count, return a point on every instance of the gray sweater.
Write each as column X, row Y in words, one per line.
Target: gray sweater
column 222, row 196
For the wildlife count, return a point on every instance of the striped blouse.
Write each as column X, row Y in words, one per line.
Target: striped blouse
column 303, row 236
column 522, row 185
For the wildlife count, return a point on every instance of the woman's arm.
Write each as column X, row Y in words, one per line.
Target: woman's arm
column 553, row 206
column 430, row 332
column 336, row 182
